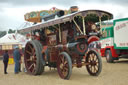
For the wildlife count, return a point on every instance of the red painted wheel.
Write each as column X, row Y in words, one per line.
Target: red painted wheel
column 33, row 58
column 94, row 61
column 64, row 65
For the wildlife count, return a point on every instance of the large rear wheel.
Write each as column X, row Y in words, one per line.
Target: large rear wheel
column 94, row 61
column 64, row 65
column 33, row 58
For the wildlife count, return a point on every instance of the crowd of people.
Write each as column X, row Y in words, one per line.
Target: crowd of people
column 17, row 60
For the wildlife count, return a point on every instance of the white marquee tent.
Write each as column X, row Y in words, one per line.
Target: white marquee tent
column 10, row 40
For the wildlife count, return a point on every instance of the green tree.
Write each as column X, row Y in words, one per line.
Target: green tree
column 11, row 31
column 2, row 33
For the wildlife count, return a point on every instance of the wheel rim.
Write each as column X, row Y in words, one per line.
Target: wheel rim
column 93, row 66
column 30, row 58
column 63, row 66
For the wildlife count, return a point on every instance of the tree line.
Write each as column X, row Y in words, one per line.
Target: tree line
column 2, row 33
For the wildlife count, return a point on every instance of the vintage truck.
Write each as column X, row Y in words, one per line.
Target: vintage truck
column 114, row 41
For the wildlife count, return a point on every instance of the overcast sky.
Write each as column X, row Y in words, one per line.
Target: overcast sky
column 12, row 11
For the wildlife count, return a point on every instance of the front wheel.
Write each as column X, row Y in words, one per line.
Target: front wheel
column 94, row 61
column 108, row 56
column 64, row 65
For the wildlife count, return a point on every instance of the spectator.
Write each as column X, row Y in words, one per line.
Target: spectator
column 5, row 61
column 17, row 59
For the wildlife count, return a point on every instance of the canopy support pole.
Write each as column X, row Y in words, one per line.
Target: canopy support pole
column 59, row 34
column 100, row 24
column 77, row 26
column 84, row 28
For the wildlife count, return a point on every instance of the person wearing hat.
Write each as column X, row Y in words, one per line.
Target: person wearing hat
column 5, row 61
column 17, row 58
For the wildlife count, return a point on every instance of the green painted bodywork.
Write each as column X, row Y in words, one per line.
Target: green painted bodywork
column 118, row 20
column 109, row 31
column 111, row 34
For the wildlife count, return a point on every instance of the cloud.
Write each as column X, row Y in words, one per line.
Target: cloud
column 62, row 3
column 12, row 11
column 38, row 2
column 59, row 3
column 114, row 2
column 119, row 2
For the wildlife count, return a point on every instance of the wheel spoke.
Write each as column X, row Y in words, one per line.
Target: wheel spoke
column 66, row 62
column 89, row 59
column 92, row 69
column 95, row 58
column 66, row 69
column 34, row 61
column 63, row 59
column 34, row 54
column 33, row 51
column 31, row 66
column 96, row 68
column 90, row 66
column 34, row 57
column 28, row 60
column 30, row 46
column 90, row 56
column 61, row 66
column 97, row 61
column 28, row 52
column 33, row 70
column 64, row 73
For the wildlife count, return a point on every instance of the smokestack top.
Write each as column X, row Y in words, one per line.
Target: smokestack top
column 74, row 9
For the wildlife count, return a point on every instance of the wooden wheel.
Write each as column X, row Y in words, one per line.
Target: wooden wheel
column 33, row 58
column 94, row 61
column 64, row 65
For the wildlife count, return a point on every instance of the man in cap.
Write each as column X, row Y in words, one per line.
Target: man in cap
column 17, row 58
column 5, row 61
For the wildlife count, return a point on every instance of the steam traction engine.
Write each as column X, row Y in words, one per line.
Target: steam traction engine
column 62, row 43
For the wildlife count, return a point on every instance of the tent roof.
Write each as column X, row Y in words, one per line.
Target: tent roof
column 13, row 38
